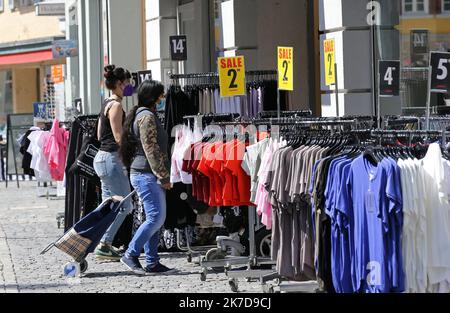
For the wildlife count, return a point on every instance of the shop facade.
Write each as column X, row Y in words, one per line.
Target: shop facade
column 26, row 58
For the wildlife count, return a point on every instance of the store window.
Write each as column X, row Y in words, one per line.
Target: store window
column 410, row 30
column 415, row 6
column 446, row 6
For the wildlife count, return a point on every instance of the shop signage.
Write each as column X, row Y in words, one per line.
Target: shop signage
column 419, row 44
column 40, row 112
column 138, row 77
column 232, row 76
column 178, row 47
column 286, row 68
column 440, row 72
column 57, row 74
column 329, row 61
column 389, row 78
column 51, row 9
column 64, row 49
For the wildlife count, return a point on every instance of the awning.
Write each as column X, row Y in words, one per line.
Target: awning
column 27, row 57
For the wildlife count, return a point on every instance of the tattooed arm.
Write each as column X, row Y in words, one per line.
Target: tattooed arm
column 156, row 158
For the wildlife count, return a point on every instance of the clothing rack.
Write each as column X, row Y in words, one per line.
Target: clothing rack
column 274, row 114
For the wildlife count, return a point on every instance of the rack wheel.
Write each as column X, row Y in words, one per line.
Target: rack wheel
column 233, row 285
column 189, row 258
column 83, row 266
column 203, row 275
column 215, row 254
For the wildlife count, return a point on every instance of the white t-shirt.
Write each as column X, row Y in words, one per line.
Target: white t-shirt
column 437, row 212
column 39, row 162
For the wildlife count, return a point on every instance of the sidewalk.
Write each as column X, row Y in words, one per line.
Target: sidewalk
column 28, row 224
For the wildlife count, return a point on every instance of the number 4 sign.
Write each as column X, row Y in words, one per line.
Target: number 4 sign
column 389, row 78
column 178, row 48
column 440, row 72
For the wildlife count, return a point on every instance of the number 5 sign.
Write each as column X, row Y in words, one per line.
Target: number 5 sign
column 286, row 68
column 389, row 78
column 440, row 72
column 232, row 76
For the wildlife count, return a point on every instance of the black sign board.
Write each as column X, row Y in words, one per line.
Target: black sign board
column 440, row 72
column 178, row 48
column 389, row 78
column 419, row 45
column 18, row 125
column 138, row 77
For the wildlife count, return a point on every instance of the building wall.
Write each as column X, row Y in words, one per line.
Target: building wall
column 23, row 24
column 25, row 90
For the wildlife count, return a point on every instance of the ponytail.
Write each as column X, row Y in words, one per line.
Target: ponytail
column 129, row 142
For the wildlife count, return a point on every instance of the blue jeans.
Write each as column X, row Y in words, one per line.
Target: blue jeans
column 153, row 197
column 112, row 174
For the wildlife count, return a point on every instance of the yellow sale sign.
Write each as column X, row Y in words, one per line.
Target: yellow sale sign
column 330, row 60
column 286, row 68
column 232, row 76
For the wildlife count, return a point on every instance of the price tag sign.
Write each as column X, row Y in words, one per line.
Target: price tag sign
column 40, row 112
column 329, row 61
column 232, row 76
column 440, row 72
column 286, row 68
column 178, row 48
column 389, row 78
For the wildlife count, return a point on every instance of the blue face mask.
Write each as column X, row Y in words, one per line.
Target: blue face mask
column 128, row 91
column 162, row 105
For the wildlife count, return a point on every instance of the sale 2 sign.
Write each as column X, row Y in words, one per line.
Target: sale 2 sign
column 232, row 76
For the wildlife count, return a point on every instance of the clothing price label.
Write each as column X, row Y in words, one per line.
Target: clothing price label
column 389, row 78
column 440, row 72
column 329, row 61
column 286, row 68
column 178, row 47
column 138, row 77
column 232, row 76
column 370, row 201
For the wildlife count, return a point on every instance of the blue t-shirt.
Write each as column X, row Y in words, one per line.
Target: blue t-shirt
column 371, row 195
column 396, row 272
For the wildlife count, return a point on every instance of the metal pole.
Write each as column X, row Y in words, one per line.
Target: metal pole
column 428, row 99
column 378, row 105
column 251, row 231
column 336, row 86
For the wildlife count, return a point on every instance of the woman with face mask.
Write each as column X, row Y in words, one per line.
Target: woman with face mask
column 144, row 150
column 107, row 163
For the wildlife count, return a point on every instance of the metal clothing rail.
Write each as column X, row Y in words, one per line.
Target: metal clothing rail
column 215, row 74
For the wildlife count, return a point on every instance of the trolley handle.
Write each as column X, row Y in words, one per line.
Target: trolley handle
column 126, row 198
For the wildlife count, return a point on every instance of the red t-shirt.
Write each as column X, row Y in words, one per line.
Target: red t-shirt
column 234, row 164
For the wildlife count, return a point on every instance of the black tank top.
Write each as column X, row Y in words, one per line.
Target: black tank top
column 107, row 141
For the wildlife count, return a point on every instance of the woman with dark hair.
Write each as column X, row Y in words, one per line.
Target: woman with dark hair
column 144, row 149
column 107, row 163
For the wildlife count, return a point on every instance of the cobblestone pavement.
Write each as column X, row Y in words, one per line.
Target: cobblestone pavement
column 28, row 224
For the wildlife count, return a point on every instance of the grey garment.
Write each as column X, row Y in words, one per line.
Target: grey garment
column 201, row 108
column 260, row 100
column 249, row 103
column 140, row 161
column 302, row 242
column 217, row 101
column 275, row 240
column 212, row 102
column 293, row 173
column 283, row 196
column 274, row 177
column 255, row 102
